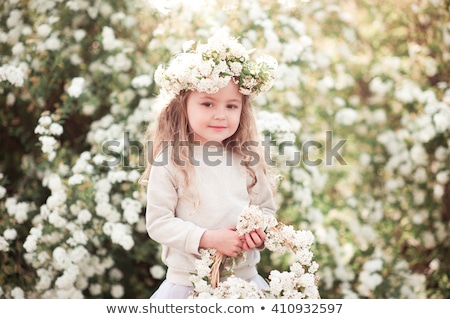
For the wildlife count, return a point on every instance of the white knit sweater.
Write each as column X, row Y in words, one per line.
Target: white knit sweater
column 175, row 221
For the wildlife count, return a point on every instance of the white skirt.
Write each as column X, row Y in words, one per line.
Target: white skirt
column 168, row 290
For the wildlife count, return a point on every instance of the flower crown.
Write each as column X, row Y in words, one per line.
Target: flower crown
column 210, row 66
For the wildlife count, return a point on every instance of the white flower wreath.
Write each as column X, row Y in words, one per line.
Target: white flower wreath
column 210, row 67
column 214, row 278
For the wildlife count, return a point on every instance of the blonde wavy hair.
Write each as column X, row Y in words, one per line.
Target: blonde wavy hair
column 173, row 126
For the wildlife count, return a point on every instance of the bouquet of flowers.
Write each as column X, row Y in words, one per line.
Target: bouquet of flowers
column 214, row 276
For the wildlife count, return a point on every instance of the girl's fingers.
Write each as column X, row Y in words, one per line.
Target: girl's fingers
column 253, row 239
column 247, row 240
column 261, row 233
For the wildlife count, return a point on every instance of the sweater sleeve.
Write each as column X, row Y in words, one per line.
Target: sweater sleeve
column 162, row 224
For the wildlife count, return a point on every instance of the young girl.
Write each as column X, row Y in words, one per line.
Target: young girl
column 205, row 166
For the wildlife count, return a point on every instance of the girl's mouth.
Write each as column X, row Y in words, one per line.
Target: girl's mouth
column 217, row 128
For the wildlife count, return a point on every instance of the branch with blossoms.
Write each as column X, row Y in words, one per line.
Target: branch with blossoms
column 214, row 277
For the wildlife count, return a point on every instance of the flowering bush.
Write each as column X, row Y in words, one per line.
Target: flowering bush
column 361, row 99
column 70, row 212
column 298, row 283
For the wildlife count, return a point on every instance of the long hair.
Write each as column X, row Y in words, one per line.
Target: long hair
column 172, row 126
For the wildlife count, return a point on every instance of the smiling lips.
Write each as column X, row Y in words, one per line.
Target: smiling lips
column 217, row 127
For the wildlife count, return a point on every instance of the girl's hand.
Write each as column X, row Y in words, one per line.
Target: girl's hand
column 225, row 240
column 254, row 239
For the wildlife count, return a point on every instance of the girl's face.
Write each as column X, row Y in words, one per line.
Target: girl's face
column 215, row 117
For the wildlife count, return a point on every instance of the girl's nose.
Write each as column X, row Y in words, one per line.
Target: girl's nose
column 220, row 113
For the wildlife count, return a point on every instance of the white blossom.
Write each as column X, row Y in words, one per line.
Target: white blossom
column 346, row 116
column 141, row 81
column 55, row 129
column 76, row 87
column 252, row 218
column 120, row 234
column 95, row 289
column 17, row 293
column 53, row 43
column 10, row 234
column 45, row 279
column 79, row 34
column 79, row 253
column 67, row 279
column 4, row 245
column 12, row 74
column 157, row 271
column 44, row 30
column 109, row 40
column 76, row 179
column 84, row 216
column 60, row 258
column 78, row 238
column 117, row 291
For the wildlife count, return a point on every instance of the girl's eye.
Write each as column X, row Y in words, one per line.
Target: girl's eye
column 207, row 104
column 232, row 106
